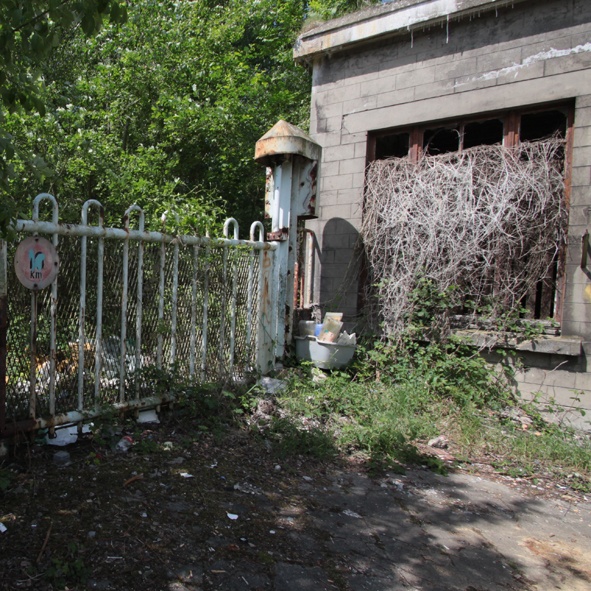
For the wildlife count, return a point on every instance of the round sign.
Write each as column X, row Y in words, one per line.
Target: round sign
column 36, row 262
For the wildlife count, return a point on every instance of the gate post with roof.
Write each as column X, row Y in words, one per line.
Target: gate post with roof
column 291, row 158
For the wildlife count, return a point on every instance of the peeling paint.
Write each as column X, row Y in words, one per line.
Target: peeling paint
column 526, row 63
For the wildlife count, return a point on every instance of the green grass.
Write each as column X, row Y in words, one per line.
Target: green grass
column 394, row 397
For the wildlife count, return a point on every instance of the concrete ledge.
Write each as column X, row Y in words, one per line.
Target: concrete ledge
column 550, row 345
column 389, row 19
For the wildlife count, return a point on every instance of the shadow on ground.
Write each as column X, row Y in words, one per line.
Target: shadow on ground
column 232, row 515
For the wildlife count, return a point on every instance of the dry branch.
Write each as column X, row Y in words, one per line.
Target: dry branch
column 489, row 221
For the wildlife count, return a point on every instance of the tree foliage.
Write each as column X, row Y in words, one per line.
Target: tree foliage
column 29, row 31
column 164, row 111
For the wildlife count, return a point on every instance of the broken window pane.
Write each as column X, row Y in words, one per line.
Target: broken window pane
column 441, row 140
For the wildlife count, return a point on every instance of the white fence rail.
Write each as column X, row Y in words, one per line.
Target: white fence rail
column 129, row 304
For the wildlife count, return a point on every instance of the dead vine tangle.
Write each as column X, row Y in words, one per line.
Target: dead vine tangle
column 488, row 221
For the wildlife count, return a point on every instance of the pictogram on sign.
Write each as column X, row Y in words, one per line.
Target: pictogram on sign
column 36, row 263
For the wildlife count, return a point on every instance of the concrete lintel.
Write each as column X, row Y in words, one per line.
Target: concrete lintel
column 386, row 20
column 282, row 139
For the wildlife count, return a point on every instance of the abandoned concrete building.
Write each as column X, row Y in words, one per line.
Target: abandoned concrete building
column 411, row 78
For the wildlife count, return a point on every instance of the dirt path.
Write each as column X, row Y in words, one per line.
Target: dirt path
column 232, row 516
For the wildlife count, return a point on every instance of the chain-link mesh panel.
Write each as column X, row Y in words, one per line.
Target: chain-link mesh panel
column 192, row 314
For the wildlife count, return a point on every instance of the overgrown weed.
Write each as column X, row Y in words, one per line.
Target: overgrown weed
column 397, row 395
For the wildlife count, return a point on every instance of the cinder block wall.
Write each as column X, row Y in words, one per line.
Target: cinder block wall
column 531, row 54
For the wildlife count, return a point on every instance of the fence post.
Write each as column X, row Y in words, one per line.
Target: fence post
column 3, row 331
column 291, row 158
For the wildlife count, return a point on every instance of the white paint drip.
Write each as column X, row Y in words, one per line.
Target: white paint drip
column 526, row 63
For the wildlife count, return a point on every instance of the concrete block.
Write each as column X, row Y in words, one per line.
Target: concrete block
column 414, row 78
column 436, row 89
column 341, row 181
column 338, row 153
column 583, row 381
column 328, row 198
column 491, row 61
column 568, row 397
column 357, row 212
column 577, row 311
column 325, row 111
column 569, row 63
column 581, row 156
column 541, row 44
column 581, row 177
column 327, row 256
column 361, row 150
column 580, row 195
column 332, row 124
column 326, row 140
column 341, row 210
column 471, row 83
column 361, row 104
column 579, row 215
column 339, row 94
column 335, row 241
column 341, row 226
column 582, row 120
column 397, row 64
column 352, row 166
column 335, row 270
column 344, row 256
column 527, row 72
column 329, row 169
column 450, row 70
column 374, row 87
column 583, row 101
column 353, row 138
column 389, row 99
column 351, row 196
column 359, row 180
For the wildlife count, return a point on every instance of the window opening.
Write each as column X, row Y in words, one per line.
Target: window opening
column 541, row 125
column 388, row 146
column 441, row 140
column 543, row 299
column 482, row 133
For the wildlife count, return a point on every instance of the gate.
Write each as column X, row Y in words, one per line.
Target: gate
column 128, row 308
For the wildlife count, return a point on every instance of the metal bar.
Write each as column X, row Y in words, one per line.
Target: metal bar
column 98, row 331
column 249, row 301
column 81, row 316
column 175, row 292
column 73, row 417
column 38, row 227
column 124, row 297
column 309, row 272
column 33, row 361
column 160, row 337
column 205, row 307
column 52, row 321
column 53, row 299
column 138, row 318
column 3, row 331
column 227, row 224
column 193, row 337
column 139, row 294
column 222, row 346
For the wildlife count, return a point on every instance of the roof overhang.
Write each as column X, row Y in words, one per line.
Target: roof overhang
column 386, row 20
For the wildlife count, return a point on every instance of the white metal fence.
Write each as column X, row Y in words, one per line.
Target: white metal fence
column 128, row 302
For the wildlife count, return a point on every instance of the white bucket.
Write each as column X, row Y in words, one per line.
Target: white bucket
column 323, row 355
